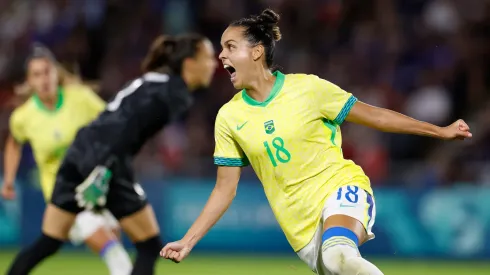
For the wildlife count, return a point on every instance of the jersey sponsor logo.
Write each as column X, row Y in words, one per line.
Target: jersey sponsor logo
column 269, row 127
column 239, row 127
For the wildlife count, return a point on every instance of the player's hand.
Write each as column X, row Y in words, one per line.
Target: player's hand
column 458, row 130
column 175, row 251
column 8, row 191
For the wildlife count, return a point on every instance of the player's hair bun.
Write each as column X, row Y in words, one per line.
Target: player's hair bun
column 269, row 20
column 268, row 16
column 261, row 30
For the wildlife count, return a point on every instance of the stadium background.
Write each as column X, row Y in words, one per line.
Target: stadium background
column 427, row 58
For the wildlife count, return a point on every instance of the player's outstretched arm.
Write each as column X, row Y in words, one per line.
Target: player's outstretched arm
column 389, row 121
column 218, row 202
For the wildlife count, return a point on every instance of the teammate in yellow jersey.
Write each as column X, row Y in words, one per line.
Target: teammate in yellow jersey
column 49, row 121
column 287, row 128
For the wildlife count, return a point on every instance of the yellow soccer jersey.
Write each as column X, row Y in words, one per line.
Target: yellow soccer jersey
column 293, row 143
column 50, row 132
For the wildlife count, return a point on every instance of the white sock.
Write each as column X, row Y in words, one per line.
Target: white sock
column 116, row 258
column 342, row 257
column 360, row 266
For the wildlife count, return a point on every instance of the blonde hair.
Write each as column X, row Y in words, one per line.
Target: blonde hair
column 65, row 77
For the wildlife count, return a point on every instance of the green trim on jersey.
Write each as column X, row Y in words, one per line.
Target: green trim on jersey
column 345, row 110
column 232, row 162
column 275, row 90
column 333, row 127
column 59, row 101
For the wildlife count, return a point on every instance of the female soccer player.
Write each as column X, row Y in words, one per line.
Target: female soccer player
column 100, row 157
column 49, row 121
column 287, row 127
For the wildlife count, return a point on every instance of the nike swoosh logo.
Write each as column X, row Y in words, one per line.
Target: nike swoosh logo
column 239, row 127
column 346, row 205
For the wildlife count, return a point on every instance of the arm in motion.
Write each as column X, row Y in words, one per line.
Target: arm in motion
column 390, row 121
column 220, row 199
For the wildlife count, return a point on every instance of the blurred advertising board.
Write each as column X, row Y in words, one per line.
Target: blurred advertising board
column 445, row 223
column 439, row 223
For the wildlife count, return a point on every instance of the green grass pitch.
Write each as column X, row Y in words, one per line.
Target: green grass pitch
column 79, row 263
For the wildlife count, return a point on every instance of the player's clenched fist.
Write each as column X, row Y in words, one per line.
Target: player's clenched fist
column 175, row 251
column 457, row 130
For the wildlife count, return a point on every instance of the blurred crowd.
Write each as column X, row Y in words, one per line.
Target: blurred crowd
column 429, row 59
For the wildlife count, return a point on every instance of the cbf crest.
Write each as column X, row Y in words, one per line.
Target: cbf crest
column 269, row 127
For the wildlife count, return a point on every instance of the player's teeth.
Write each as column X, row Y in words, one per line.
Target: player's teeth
column 226, row 66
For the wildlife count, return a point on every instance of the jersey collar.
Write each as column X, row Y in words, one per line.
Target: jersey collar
column 275, row 90
column 57, row 107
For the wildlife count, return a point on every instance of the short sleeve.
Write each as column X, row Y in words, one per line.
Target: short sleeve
column 92, row 102
column 17, row 128
column 333, row 102
column 227, row 151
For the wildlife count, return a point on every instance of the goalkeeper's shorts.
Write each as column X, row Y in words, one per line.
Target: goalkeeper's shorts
column 124, row 196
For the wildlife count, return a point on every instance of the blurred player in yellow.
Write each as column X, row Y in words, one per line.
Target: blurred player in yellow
column 49, row 121
column 287, row 128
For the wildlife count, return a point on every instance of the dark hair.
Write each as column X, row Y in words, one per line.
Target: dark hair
column 167, row 53
column 262, row 30
column 38, row 50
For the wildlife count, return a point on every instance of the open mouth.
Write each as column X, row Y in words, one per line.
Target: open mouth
column 230, row 70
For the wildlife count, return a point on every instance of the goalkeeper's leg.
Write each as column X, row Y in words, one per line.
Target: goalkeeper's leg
column 59, row 217
column 56, row 225
column 142, row 229
column 126, row 199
